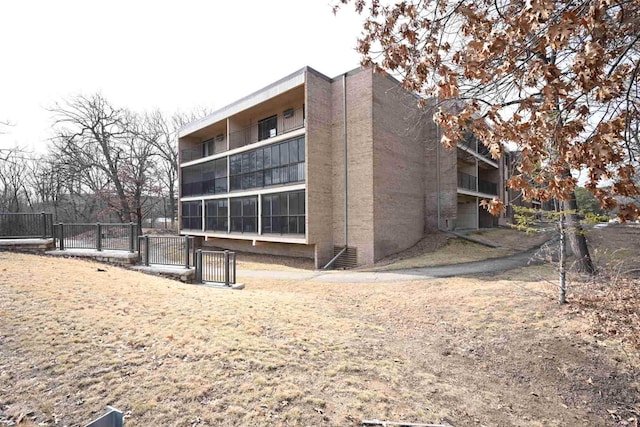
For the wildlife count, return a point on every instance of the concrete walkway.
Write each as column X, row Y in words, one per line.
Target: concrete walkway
column 488, row 266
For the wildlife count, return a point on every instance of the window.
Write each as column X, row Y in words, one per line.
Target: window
column 216, row 212
column 267, row 128
column 244, row 214
column 206, row 178
column 284, row 213
column 208, row 147
column 192, row 215
column 276, row 164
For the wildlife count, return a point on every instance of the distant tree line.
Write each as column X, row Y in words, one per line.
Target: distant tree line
column 102, row 163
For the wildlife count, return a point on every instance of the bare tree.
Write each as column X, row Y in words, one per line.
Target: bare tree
column 90, row 134
column 161, row 132
column 15, row 195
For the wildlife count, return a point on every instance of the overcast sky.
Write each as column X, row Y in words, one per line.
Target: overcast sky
column 174, row 55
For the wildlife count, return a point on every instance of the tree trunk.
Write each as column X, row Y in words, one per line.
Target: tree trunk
column 577, row 239
column 562, row 289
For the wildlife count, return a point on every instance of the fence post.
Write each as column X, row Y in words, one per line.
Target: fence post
column 61, row 231
column 199, row 266
column 98, row 236
column 226, row 268
column 234, row 268
column 146, row 250
column 132, row 233
column 186, row 251
column 193, row 254
column 43, row 217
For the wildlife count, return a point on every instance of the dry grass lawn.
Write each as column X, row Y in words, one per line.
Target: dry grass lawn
column 491, row 352
column 447, row 251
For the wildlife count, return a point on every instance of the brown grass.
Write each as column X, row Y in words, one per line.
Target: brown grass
column 450, row 250
column 474, row 351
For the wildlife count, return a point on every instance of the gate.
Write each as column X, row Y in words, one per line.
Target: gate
column 216, row 266
column 167, row 250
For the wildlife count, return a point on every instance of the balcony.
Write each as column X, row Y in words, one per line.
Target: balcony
column 278, row 124
column 472, row 143
column 270, row 127
column 487, row 187
column 206, row 148
column 467, row 182
column 472, row 183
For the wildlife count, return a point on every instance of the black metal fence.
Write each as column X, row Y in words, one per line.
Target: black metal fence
column 216, row 266
column 167, row 250
column 26, row 225
column 487, row 187
column 466, row 181
column 117, row 237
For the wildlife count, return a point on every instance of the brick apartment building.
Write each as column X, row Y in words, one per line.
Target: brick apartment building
column 310, row 164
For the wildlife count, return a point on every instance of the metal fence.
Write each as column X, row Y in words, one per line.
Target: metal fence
column 466, row 181
column 487, row 187
column 167, row 250
column 116, row 237
column 216, row 266
column 26, row 225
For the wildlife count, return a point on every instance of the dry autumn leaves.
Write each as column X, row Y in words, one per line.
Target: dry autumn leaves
column 555, row 81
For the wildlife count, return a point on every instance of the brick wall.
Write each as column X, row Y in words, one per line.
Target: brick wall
column 280, row 249
column 319, row 166
column 398, row 168
column 359, row 161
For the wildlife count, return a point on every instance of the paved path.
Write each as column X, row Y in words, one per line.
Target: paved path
column 470, row 268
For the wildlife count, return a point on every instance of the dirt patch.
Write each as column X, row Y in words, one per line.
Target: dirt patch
column 74, row 339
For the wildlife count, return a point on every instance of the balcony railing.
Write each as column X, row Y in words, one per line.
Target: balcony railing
column 477, row 147
column 206, row 148
column 472, row 183
column 487, row 187
column 200, row 188
column 466, row 181
column 292, row 120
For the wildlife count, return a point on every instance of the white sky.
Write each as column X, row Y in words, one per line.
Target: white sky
column 174, row 55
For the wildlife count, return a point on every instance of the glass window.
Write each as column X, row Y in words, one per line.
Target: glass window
column 244, row 214
column 301, row 150
column 275, row 155
column 267, row 128
column 235, row 163
column 192, row 215
column 284, row 153
column 284, row 213
column 267, row 158
column 272, row 165
column 216, row 215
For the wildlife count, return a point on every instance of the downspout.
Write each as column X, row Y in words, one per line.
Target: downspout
column 346, row 175
column 438, row 227
column 346, row 172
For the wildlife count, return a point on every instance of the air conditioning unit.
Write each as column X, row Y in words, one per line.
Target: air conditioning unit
column 288, row 113
column 220, row 137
